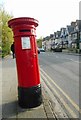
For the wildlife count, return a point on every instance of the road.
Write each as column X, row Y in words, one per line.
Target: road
column 61, row 75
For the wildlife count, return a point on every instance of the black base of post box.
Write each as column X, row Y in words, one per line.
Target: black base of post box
column 29, row 97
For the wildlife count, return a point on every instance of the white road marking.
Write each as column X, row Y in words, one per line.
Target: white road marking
column 61, row 99
column 73, row 60
column 70, row 100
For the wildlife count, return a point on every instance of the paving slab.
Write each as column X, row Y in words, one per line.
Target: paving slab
column 10, row 107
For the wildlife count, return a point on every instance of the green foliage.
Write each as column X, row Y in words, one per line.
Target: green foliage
column 39, row 42
column 5, row 32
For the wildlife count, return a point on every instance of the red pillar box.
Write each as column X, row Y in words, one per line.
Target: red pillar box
column 29, row 88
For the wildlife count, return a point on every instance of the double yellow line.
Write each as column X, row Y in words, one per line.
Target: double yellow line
column 64, row 103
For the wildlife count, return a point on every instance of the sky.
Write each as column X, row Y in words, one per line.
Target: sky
column 51, row 14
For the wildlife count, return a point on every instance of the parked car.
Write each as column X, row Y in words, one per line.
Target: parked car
column 58, row 50
column 41, row 50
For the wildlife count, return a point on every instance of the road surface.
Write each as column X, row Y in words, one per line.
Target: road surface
column 61, row 75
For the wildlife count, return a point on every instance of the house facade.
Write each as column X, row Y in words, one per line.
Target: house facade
column 69, row 37
column 76, row 35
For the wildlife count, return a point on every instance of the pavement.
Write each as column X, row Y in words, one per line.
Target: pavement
column 9, row 101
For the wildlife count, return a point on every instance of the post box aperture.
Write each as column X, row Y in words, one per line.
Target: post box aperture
column 29, row 87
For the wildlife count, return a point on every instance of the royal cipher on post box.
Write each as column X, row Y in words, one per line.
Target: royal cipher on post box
column 29, row 87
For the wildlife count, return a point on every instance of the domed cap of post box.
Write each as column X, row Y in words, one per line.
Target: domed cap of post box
column 22, row 20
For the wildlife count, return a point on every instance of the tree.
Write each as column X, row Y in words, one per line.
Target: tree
column 39, row 42
column 5, row 32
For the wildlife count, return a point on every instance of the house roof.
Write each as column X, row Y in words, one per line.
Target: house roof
column 63, row 30
column 46, row 38
column 70, row 28
column 58, row 33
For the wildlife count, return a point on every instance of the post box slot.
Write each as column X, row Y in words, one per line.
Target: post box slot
column 24, row 30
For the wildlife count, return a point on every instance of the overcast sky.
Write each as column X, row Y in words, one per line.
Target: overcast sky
column 51, row 14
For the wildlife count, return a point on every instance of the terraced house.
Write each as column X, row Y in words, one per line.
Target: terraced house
column 69, row 37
